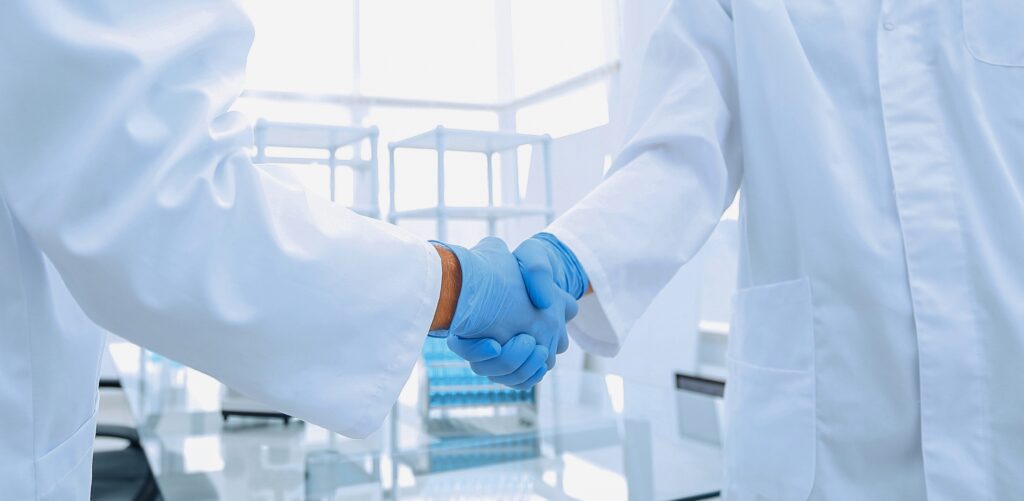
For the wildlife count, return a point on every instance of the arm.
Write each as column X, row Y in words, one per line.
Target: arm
column 666, row 191
column 123, row 165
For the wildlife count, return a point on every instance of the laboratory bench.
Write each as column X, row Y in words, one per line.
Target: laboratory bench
column 583, row 436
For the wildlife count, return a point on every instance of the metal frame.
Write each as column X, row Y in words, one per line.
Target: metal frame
column 599, row 74
column 329, row 138
column 488, row 143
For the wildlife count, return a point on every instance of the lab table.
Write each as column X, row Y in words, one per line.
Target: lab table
column 586, row 436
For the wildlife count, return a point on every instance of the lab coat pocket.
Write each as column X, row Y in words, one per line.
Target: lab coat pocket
column 770, row 396
column 63, row 472
column 994, row 31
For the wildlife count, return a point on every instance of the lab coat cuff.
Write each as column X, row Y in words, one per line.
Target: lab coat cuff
column 598, row 341
column 409, row 346
column 592, row 330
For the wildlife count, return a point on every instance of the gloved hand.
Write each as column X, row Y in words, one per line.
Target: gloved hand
column 520, row 363
column 494, row 303
column 548, row 268
column 553, row 277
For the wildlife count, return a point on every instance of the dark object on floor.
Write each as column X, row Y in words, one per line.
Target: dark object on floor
column 122, row 474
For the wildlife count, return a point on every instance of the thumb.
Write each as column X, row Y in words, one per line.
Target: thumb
column 537, row 274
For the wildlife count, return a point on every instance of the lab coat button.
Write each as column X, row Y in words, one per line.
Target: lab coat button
column 889, row 26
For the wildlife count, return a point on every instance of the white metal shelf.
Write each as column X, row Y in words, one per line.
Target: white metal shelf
column 472, row 141
column 298, row 160
column 488, row 143
column 329, row 139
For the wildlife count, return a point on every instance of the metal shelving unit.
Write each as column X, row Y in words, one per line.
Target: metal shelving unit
column 329, row 138
column 488, row 143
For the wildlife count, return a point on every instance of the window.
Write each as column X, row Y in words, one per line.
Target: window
column 301, row 46
column 554, row 41
column 292, row 111
column 576, row 111
column 312, row 61
column 429, row 50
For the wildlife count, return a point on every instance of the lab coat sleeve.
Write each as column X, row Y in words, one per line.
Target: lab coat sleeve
column 669, row 186
column 122, row 162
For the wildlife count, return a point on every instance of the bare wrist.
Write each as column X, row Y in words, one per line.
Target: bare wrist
column 451, row 287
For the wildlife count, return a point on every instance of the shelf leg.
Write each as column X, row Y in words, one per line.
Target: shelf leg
column 492, row 226
column 391, row 185
column 442, row 215
column 374, row 201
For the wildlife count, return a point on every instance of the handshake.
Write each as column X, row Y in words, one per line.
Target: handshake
column 509, row 322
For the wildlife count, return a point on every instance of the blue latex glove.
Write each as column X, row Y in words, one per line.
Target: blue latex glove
column 494, row 303
column 548, row 267
column 553, row 277
column 520, row 363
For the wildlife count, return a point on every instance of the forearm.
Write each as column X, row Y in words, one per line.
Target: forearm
column 451, row 287
column 165, row 233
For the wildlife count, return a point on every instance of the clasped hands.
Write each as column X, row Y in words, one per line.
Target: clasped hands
column 509, row 323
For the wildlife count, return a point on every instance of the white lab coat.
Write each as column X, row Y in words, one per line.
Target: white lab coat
column 127, row 200
column 877, row 345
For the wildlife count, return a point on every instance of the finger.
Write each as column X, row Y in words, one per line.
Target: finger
column 572, row 308
column 552, row 351
column 526, row 370
column 534, row 379
column 537, row 273
column 563, row 344
column 513, row 354
column 474, row 349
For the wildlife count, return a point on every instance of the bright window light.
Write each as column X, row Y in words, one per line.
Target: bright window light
column 429, row 50
column 574, row 112
column 554, row 41
column 429, row 53
column 301, row 46
column 299, row 112
column 616, row 392
column 525, row 157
